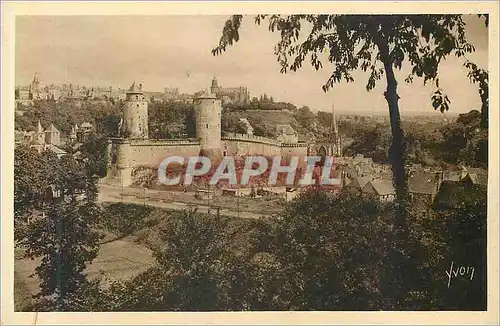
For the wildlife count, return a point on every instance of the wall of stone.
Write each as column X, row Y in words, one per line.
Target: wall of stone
column 132, row 153
column 151, row 153
column 288, row 150
column 248, row 145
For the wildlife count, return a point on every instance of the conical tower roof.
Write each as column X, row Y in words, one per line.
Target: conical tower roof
column 134, row 89
column 52, row 128
column 206, row 94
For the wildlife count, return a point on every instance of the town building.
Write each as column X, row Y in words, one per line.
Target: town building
column 171, row 93
column 424, row 186
column 83, row 132
column 53, row 136
column 380, row 189
column 41, row 139
column 230, row 94
column 286, row 134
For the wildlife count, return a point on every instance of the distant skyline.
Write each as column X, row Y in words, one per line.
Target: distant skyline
column 175, row 51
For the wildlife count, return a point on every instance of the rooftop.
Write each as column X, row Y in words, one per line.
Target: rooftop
column 134, row 89
column 52, row 128
column 285, row 129
column 206, row 94
column 423, row 183
column 86, row 125
column 383, row 187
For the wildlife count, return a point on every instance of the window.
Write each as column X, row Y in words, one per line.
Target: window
column 207, row 125
column 137, row 105
column 137, row 97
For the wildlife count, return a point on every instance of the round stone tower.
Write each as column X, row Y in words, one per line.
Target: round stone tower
column 208, row 125
column 135, row 114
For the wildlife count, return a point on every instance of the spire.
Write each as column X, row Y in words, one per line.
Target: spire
column 334, row 122
column 39, row 127
column 336, row 136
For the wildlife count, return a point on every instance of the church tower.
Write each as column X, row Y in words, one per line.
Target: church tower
column 135, row 114
column 215, row 85
column 336, row 141
column 35, row 84
column 208, row 125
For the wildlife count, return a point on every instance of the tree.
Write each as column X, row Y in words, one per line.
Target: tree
column 241, row 127
column 193, row 265
column 305, row 117
column 374, row 142
column 325, row 119
column 95, row 155
column 34, row 173
column 465, row 141
column 62, row 224
column 378, row 44
column 323, row 252
column 30, row 181
column 171, row 119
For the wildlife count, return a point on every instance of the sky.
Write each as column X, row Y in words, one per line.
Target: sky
column 175, row 51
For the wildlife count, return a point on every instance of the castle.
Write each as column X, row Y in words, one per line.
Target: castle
column 230, row 94
column 134, row 150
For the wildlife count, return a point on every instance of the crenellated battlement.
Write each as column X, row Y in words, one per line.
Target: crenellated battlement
column 166, row 142
column 294, row 145
column 250, row 138
column 156, row 142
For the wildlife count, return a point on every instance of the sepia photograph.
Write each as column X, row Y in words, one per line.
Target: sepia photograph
column 261, row 162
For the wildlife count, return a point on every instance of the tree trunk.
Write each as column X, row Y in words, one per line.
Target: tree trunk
column 397, row 284
column 397, row 152
column 484, row 105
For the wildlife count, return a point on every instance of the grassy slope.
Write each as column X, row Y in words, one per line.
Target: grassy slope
column 270, row 118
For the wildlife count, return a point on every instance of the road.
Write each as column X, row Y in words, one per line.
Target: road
column 112, row 194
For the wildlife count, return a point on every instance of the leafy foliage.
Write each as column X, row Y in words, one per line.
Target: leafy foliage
column 95, row 155
column 372, row 142
column 322, row 253
column 305, row 117
column 60, row 204
column 124, row 219
column 356, row 41
column 376, row 44
column 33, row 175
column 104, row 115
column 171, row 120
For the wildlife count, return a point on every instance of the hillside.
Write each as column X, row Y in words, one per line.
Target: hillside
column 265, row 119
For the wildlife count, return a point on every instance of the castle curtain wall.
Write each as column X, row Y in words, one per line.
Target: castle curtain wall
column 244, row 147
column 151, row 153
